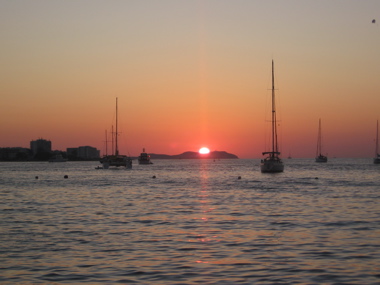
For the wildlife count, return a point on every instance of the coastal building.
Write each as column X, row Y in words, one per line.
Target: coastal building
column 40, row 150
column 14, row 154
column 83, row 153
column 40, row 146
column 88, row 152
column 72, row 153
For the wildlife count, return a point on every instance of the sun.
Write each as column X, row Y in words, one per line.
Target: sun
column 204, row 150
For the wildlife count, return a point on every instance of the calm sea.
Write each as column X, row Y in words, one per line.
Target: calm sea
column 195, row 223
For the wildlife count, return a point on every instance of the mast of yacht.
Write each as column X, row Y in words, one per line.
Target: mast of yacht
column 112, row 141
column 274, row 119
column 116, row 134
column 319, row 141
column 377, row 138
column 106, row 144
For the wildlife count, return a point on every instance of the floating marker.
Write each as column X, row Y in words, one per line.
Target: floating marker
column 66, row 176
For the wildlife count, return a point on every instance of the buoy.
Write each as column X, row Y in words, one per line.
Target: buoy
column 66, row 176
column 316, row 178
column 36, row 177
column 154, row 176
column 239, row 177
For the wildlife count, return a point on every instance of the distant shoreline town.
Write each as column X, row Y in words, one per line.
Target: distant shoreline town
column 41, row 150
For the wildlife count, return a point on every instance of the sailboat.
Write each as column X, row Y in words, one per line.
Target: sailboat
column 116, row 159
column 376, row 160
column 272, row 163
column 320, row 157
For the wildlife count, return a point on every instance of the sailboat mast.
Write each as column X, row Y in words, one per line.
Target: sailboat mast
column 116, row 134
column 319, row 142
column 106, row 144
column 112, row 140
column 274, row 123
column 377, row 138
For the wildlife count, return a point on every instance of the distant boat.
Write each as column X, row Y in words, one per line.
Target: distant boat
column 58, row 158
column 116, row 159
column 320, row 157
column 376, row 160
column 144, row 158
column 272, row 163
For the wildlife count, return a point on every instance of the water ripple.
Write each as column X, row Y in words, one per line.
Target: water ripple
column 196, row 223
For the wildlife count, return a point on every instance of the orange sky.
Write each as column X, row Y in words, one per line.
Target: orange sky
column 191, row 74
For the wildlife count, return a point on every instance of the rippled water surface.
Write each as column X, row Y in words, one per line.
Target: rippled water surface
column 195, row 223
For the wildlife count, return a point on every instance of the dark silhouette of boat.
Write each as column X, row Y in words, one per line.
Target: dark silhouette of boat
column 272, row 163
column 144, row 158
column 116, row 159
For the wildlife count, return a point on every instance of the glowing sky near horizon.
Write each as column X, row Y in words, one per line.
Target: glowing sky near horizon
column 191, row 73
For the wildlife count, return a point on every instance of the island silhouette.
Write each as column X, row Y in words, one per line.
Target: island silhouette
column 196, row 155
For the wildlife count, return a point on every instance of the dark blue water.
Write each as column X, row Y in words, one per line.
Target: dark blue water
column 195, row 223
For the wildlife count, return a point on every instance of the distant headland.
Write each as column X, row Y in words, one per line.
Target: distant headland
column 195, row 155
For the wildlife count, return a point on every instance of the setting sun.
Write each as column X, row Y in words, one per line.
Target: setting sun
column 204, row 150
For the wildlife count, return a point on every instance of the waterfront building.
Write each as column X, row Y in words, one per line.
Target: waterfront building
column 40, row 146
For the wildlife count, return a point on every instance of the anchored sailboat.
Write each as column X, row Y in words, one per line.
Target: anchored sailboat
column 272, row 163
column 320, row 157
column 116, row 159
column 376, row 160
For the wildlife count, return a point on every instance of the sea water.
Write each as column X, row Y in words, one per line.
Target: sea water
column 190, row 222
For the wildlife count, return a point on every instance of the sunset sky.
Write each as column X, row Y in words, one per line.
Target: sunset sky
column 190, row 74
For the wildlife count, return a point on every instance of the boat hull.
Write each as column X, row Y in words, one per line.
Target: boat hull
column 321, row 158
column 271, row 166
column 116, row 161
